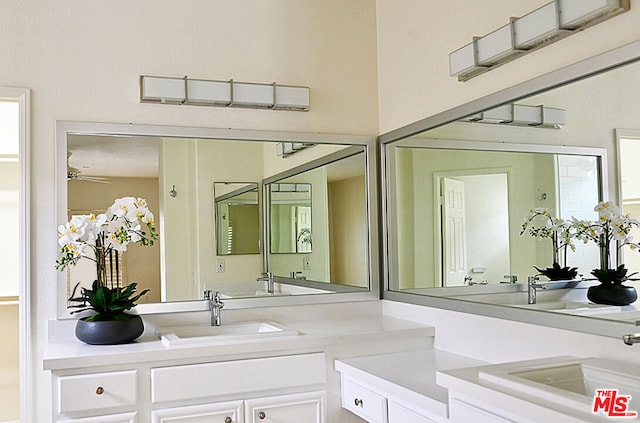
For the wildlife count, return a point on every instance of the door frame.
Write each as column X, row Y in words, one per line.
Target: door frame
column 22, row 96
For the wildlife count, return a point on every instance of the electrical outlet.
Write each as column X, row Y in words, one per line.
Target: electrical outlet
column 220, row 266
column 306, row 263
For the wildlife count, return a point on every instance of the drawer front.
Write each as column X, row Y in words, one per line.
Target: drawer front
column 226, row 412
column 308, row 407
column 200, row 381
column 97, row 391
column 363, row 402
column 401, row 414
column 112, row 418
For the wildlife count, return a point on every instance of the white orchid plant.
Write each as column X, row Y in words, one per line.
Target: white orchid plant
column 542, row 224
column 610, row 232
column 127, row 221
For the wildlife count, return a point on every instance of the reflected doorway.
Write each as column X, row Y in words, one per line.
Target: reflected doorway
column 474, row 246
column 629, row 190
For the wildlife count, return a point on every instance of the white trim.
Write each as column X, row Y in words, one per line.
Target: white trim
column 22, row 95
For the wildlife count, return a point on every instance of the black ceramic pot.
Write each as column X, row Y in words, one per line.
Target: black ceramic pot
column 110, row 332
column 612, row 294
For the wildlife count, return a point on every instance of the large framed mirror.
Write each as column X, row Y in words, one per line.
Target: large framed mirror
column 208, row 217
column 459, row 186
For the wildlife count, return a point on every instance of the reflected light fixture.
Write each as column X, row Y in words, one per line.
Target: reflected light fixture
column 286, row 149
column 539, row 28
column 521, row 115
column 201, row 92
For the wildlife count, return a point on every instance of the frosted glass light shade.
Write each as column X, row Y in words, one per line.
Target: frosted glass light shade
column 554, row 118
column 252, row 95
column 496, row 46
column 574, row 13
column 527, row 115
column 162, row 90
column 500, row 114
column 537, row 27
column 209, row 92
column 288, row 97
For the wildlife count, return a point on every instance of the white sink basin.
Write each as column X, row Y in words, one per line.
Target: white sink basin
column 572, row 307
column 231, row 333
column 572, row 384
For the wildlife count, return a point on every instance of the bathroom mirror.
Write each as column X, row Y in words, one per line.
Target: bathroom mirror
column 317, row 218
column 187, row 178
column 290, row 210
column 510, row 165
column 237, row 214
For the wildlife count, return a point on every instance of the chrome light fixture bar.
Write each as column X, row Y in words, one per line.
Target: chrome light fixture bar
column 201, row 92
column 521, row 115
column 536, row 29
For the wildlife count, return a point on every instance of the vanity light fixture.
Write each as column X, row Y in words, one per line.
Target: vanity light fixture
column 521, row 115
column 286, row 149
column 536, row 29
column 201, row 92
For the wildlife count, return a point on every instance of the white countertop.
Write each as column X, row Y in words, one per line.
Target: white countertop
column 64, row 351
column 468, row 382
column 408, row 378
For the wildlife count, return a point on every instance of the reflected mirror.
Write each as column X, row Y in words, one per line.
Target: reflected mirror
column 237, row 218
column 290, row 217
column 318, row 221
column 208, row 223
column 460, row 185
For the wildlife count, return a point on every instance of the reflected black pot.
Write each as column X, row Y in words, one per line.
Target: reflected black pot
column 610, row 294
column 110, row 332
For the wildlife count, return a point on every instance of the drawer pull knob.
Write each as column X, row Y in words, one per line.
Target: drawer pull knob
column 261, row 415
column 100, row 390
column 359, row 402
column 228, row 420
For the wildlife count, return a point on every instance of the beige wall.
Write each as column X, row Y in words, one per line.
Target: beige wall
column 82, row 60
column 348, row 231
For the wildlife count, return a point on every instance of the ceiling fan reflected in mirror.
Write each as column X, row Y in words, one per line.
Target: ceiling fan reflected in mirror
column 75, row 174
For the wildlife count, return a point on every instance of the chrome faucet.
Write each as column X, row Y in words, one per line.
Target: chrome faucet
column 532, row 285
column 631, row 339
column 215, row 305
column 268, row 278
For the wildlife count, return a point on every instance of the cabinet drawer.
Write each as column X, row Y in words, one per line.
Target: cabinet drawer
column 111, row 418
column 401, row 414
column 97, row 391
column 363, row 402
column 226, row 412
column 200, row 381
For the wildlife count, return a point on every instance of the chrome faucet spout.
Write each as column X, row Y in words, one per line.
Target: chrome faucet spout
column 215, row 306
column 532, row 285
column 268, row 278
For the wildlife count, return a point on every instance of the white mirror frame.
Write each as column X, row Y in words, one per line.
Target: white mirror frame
column 64, row 128
column 572, row 73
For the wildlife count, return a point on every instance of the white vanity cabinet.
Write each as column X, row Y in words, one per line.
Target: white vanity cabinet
column 282, row 389
column 398, row 387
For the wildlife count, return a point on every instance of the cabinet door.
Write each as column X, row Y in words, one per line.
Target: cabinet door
column 297, row 408
column 113, row 418
column 227, row 412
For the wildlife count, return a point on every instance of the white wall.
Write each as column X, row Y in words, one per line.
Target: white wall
column 82, row 60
